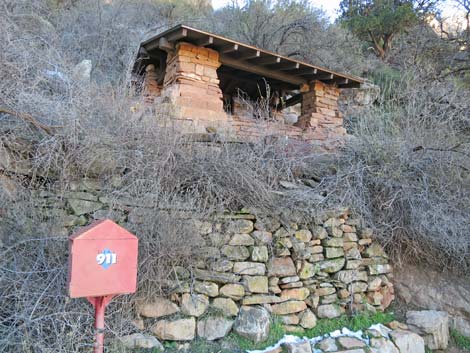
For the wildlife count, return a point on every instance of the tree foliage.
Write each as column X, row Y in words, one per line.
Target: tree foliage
column 380, row 21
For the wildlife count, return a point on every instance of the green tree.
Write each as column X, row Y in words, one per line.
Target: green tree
column 380, row 21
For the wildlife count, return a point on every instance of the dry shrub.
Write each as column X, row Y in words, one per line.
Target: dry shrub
column 407, row 172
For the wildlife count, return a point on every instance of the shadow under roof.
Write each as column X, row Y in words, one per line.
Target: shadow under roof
column 243, row 57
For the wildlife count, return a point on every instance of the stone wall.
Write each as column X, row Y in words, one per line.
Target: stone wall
column 249, row 265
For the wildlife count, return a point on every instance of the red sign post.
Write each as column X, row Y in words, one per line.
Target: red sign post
column 102, row 264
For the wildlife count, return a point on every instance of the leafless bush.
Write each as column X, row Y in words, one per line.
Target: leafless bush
column 407, row 171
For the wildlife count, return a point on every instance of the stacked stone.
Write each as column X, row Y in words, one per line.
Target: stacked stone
column 320, row 111
column 192, row 84
column 293, row 271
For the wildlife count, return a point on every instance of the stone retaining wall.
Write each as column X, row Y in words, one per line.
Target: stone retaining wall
column 250, row 266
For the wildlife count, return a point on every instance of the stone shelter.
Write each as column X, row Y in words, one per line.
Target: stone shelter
column 215, row 85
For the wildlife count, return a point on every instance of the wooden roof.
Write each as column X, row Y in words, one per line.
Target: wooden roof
column 241, row 57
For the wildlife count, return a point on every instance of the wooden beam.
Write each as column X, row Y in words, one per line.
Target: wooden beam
column 203, row 42
column 165, row 45
column 228, row 49
column 294, row 66
column 250, row 55
column 171, row 37
column 259, row 70
column 267, row 60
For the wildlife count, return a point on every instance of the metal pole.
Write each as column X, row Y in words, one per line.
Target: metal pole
column 100, row 306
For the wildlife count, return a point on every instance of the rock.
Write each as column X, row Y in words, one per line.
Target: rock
column 237, row 253
column 212, row 328
column 333, row 252
column 327, row 345
column 374, row 283
column 218, row 277
column 218, row 239
column 308, row 319
column 261, row 299
column 295, row 293
column 308, row 270
column 427, row 288
column 329, row 311
column 139, row 340
column 292, row 285
column 321, row 292
column 348, row 276
column 432, row 325
column 256, row 284
column 289, row 307
column 350, row 342
column 298, row 347
column 266, row 223
column 158, row 308
column 227, row 306
column 350, row 237
column 303, row 235
column 378, row 269
column 249, row 268
column 81, row 207
column 286, row 280
column 253, row 323
column 291, row 319
column 407, row 342
column 394, row 325
column 382, row 345
column 194, row 304
column 242, row 239
column 222, row 265
column 260, row 254
column 332, row 265
column 240, row 226
column 82, row 71
column 202, row 227
column 262, row 237
column 333, row 242
column 177, row 330
column 233, row 291
column 375, row 250
column 208, row 288
column 281, row 267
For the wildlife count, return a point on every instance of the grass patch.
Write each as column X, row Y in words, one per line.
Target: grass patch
column 324, row 326
column 461, row 341
column 354, row 323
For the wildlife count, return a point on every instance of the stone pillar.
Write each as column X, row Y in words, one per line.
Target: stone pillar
column 320, row 111
column 192, row 85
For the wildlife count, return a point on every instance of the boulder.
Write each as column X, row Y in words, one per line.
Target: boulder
column 253, row 323
column 176, row 330
column 329, row 311
column 308, row 270
column 281, row 267
column 237, row 253
column 260, row 254
column 233, row 291
column 298, row 347
column 295, row 293
column 218, row 277
column 432, row 325
column 139, row 340
column 212, row 328
column 327, row 345
column 194, row 304
column 289, row 307
column 256, row 284
column 242, row 239
column 308, row 319
column 249, row 268
column 157, row 308
column 208, row 288
column 240, row 226
column 261, row 299
column 350, row 342
column 332, row 265
column 226, row 305
column 382, row 345
column 407, row 341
